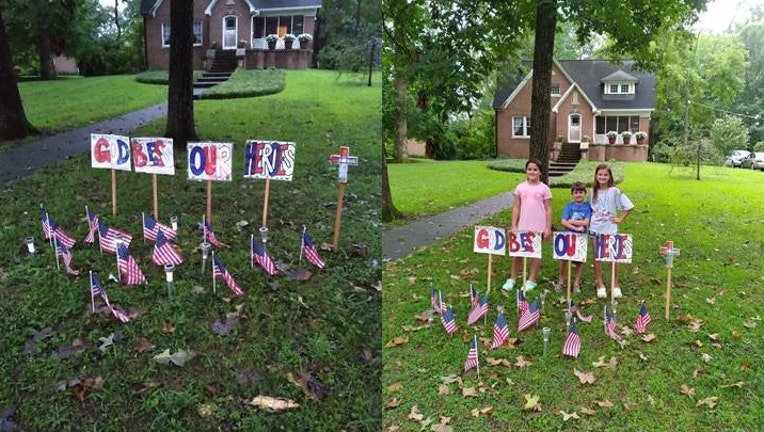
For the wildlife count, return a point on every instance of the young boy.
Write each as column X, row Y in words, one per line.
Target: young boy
column 575, row 218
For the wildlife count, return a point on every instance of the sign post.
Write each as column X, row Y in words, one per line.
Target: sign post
column 112, row 152
column 210, row 161
column 613, row 248
column 569, row 246
column 153, row 156
column 269, row 160
column 342, row 160
column 670, row 253
column 491, row 241
column 526, row 244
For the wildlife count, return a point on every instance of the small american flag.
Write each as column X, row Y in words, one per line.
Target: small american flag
column 262, row 258
column 643, row 319
column 210, row 235
column 474, row 296
column 575, row 311
column 610, row 326
column 151, row 228
column 522, row 303
column 59, row 233
column 120, row 315
column 66, row 255
column 92, row 226
column 448, row 320
column 310, row 251
column 45, row 223
column 434, row 299
column 164, row 252
column 472, row 356
column 219, row 271
column 479, row 310
column 108, row 237
column 500, row 331
column 97, row 289
column 530, row 317
column 572, row 344
column 127, row 265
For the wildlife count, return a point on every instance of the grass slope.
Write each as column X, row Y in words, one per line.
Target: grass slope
column 327, row 327
column 717, row 278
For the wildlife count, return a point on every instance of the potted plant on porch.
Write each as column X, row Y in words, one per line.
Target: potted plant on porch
column 289, row 40
column 611, row 136
column 271, row 39
column 304, row 39
column 641, row 137
column 626, row 135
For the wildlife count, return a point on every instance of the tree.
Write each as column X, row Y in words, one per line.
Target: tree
column 180, row 92
column 729, row 133
column 13, row 120
column 541, row 103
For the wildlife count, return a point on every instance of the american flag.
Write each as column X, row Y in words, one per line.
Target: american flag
column 310, row 251
column 59, row 233
column 151, row 228
column 130, row 271
column 448, row 320
column 472, row 356
column 530, row 317
column 575, row 311
column 108, row 236
column 479, row 310
column 261, row 256
column 643, row 319
column 610, row 326
column 522, row 303
column 500, row 331
column 164, row 252
column 92, row 226
column 434, row 299
column 572, row 344
column 219, row 271
column 66, row 255
column 97, row 289
column 45, row 223
column 209, row 235
column 474, row 296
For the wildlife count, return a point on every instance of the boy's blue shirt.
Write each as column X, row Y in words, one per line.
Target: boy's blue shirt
column 574, row 211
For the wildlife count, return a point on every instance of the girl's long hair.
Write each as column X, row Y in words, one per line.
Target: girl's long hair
column 537, row 163
column 596, row 186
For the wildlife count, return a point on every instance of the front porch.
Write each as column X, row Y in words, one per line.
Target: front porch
column 259, row 58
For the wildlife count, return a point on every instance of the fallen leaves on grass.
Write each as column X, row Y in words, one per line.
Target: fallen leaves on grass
column 483, row 411
column 566, row 416
column 749, row 323
column 687, row 390
column 7, row 425
column 424, row 317
column 450, row 379
column 106, row 342
column 412, row 280
column 395, row 387
column 711, row 300
column 604, row 404
column 531, row 403
column 649, row 337
column 168, row 328
column 695, row 325
column 300, row 274
column 397, row 341
column 444, row 389
column 610, row 364
column 225, row 327
column 584, row 377
column 469, row 392
column 414, row 414
column 626, row 330
column 145, row 345
column 705, row 357
column 587, row 411
column 408, row 328
column 710, row 402
column 498, row 362
column 179, row 358
column 522, row 362
column 738, row 384
column 312, row 387
column 272, row 404
column 394, row 403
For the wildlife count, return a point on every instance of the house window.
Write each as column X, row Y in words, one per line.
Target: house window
column 271, row 25
column 521, row 127
column 165, row 35
column 613, row 88
column 278, row 25
column 624, row 88
column 619, row 124
column 619, row 88
column 285, row 25
column 197, row 34
column 555, row 89
column 298, row 24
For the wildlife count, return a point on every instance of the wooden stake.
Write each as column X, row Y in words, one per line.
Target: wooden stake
column 612, row 280
column 337, row 216
column 209, row 200
column 668, row 292
column 489, row 273
column 525, row 270
column 156, row 201
column 113, row 192
column 265, row 202
column 569, row 282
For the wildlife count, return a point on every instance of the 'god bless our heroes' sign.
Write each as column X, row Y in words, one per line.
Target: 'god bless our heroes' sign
column 210, row 161
column 272, row 160
column 569, row 246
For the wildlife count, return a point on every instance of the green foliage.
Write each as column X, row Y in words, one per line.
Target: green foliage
column 661, row 152
column 248, row 83
column 758, row 147
column 346, row 32
column 687, row 155
column 729, row 133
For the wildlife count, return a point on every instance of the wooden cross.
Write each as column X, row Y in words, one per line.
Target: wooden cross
column 670, row 253
column 342, row 160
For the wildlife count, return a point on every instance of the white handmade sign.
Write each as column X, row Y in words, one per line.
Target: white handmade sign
column 272, row 160
column 569, row 246
column 490, row 240
column 210, row 161
column 110, row 151
column 153, row 155
column 524, row 244
column 613, row 248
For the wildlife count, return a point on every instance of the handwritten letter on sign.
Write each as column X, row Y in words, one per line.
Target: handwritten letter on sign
column 490, row 240
column 613, row 248
column 569, row 246
column 269, row 160
column 153, row 155
column 524, row 244
column 210, row 161
column 110, row 151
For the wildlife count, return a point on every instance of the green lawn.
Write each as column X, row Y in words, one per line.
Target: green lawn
column 717, row 279
column 327, row 327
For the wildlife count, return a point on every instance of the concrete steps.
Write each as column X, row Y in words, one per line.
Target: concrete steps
column 566, row 161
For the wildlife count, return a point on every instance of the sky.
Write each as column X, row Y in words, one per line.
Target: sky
column 720, row 13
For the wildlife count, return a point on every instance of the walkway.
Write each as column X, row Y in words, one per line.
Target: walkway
column 27, row 159
column 401, row 242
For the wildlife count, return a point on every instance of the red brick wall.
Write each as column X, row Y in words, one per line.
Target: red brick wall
column 159, row 57
column 583, row 108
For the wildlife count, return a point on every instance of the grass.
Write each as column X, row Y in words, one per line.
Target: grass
column 715, row 279
column 327, row 327
column 245, row 83
column 161, row 77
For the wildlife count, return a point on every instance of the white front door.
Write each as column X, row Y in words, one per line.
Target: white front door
column 574, row 128
column 230, row 32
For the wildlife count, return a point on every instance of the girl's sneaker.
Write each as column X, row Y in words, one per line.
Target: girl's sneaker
column 529, row 285
column 617, row 292
column 508, row 285
column 602, row 292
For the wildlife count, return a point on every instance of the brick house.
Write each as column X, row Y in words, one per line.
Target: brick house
column 589, row 99
column 225, row 25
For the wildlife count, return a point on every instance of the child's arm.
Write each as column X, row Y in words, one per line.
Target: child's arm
column 516, row 212
column 548, row 212
column 622, row 217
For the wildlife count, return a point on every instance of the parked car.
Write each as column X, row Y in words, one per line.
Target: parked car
column 754, row 161
column 736, row 158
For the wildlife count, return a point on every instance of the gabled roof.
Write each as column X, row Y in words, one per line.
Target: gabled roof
column 619, row 75
column 149, row 7
column 588, row 75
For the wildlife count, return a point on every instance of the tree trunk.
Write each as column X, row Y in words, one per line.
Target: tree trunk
column 47, row 70
column 13, row 121
column 389, row 212
column 541, row 103
column 116, row 19
column 180, row 92
column 401, row 155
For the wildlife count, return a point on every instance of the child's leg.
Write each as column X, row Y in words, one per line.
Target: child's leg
column 579, row 271
column 535, row 267
column 561, row 274
column 598, row 273
column 516, row 263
